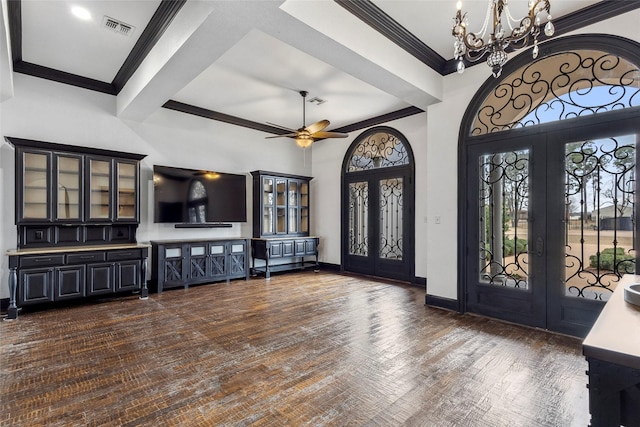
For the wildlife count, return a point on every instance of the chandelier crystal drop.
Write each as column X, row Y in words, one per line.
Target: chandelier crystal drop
column 506, row 32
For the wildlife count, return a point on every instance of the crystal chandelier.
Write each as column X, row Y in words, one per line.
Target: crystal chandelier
column 506, row 31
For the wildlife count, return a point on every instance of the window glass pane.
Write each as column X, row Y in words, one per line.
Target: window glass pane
column 600, row 212
column 391, row 224
column 359, row 218
column 504, row 219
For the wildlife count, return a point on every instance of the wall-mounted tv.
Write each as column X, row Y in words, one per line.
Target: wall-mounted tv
column 189, row 196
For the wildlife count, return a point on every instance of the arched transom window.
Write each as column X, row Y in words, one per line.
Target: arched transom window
column 557, row 87
column 380, row 149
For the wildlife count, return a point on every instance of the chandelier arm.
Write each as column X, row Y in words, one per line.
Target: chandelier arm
column 485, row 24
column 473, row 46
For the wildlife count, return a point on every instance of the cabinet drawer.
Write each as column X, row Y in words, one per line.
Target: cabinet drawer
column 41, row 260
column 124, row 254
column 82, row 258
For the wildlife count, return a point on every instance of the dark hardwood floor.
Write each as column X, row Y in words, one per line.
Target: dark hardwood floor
column 304, row 348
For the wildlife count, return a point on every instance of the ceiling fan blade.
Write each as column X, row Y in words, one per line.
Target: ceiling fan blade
column 322, row 135
column 288, row 135
column 281, row 127
column 317, row 126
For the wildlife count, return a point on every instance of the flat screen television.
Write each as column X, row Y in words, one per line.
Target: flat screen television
column 190, row 196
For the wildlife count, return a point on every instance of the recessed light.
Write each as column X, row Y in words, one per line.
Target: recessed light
column 81, row 13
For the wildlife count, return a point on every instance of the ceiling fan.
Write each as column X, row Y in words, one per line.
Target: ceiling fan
column 306, row 135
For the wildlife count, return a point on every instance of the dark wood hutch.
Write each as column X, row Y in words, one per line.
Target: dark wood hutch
column 281, row 209
column 77, row 212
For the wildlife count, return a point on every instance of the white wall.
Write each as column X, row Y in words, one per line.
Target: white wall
column 54, row 112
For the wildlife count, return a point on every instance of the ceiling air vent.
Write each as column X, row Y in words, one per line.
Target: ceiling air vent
column 118, row 26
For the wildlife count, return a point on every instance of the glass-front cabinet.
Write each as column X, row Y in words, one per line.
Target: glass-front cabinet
column 35, row 185
column 61, row 184
column 268, row 207
column 281, row 205
column 99, row 190
column 68, row 174
column 127, row 197
column 304, row 207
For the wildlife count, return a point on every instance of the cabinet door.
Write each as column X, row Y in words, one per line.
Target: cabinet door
column 217, row 260
column 99, row 191
column 281, row 206
column 275, row 249
column 34, row 197
column 36, row 285
column 70, row 282
column 68, row 173
column 293, row 207
column 268, row 206
column 100, row 279
column 288, row 248
column 237, row 258
column 126, row 191
column 127, row 275
column 198, row 261
column 310, row 246
column 173, row 270
column 304, row 207
column 299, row 247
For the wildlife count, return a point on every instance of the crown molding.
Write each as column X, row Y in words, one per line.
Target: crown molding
column 63, row 77
column 160, row 21
column 221, row 117
column 372, row 15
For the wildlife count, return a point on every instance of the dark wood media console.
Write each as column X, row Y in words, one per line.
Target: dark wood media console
column 180, row 263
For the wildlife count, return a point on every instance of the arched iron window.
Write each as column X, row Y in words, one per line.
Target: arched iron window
column 559, row 86
column 381, row 148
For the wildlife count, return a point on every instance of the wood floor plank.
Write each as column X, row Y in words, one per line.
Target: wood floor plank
column 306, row 348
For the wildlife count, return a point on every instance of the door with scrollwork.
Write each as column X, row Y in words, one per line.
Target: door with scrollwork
column 377, row 206
column 549, row 209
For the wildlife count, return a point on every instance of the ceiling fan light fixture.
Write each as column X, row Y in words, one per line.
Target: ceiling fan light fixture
column 306, row 135
column 304, row 141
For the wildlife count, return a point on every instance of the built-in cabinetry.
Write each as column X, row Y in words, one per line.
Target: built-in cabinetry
column 281, row 207
column 77, row 212
column 68, row 195
column 46, row 275
column 180, row 263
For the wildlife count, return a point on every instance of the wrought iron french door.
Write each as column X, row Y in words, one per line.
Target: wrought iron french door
column 552, row 224
column 378, row 222
column 506, row 239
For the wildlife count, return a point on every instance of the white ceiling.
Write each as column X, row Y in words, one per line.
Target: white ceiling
column 249, row 59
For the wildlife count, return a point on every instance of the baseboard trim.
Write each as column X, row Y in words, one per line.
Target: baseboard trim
column 325, row 266
column 441, row 302
column 4, row 305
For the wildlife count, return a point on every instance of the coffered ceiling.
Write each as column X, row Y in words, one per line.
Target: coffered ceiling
column 244, row 62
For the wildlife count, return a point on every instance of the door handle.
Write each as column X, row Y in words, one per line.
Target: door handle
column 539, row 246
